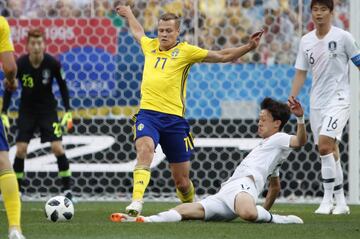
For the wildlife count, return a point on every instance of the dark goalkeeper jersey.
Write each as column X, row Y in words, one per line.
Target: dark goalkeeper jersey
column 36, row 85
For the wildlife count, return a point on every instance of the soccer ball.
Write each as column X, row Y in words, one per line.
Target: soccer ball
column 59, row 208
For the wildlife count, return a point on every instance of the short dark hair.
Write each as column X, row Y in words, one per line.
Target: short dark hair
column 278, row 110
column 35, row 32
column 171, row 16
column 328, row 3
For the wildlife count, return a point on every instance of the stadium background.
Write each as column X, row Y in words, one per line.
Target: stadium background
column 103, row 68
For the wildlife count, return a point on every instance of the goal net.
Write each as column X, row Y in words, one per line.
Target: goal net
column 103, row 67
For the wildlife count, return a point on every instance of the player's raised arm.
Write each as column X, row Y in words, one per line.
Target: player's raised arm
column 136, row 29
column 231, row 54
column 300, row 138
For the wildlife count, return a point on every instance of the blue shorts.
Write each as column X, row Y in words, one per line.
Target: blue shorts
column 170, row 131
column 4, row 146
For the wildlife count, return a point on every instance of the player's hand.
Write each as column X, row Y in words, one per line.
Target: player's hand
column 295, row 107
column 10, row 85
column 5, row 120
column 67, row 120
column 123, row 11
column 255, row 39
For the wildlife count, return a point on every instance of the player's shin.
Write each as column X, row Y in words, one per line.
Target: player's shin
column 11, row 197
column 167, row 216
column 141, row 177
column 328, row 173
column 188, row 196
column 64, row 171
column 338, row 189
column 19, row 171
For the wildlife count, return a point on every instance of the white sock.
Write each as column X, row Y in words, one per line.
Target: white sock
column 167, row 216
column 328, row 174
column 338, row 189
column 263, row 215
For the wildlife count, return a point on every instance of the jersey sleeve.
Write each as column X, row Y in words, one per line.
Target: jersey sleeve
column 195, row 54
column 352, row 48
column 301, row 61
column 5, row 36
column 282, row 140
column 147, row 43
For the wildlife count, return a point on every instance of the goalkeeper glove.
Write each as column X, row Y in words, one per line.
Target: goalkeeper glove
column 5, row 120
column 67, row 120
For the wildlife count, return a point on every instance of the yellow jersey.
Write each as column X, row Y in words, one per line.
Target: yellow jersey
column 163, row 87
column 5, row 37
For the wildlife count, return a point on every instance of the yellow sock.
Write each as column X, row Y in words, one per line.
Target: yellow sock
column 186, row 197
column 141, row 180
column 10, row 193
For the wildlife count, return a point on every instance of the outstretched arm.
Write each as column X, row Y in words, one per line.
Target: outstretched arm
column 273, row 192
column 231, row 54
column 136, row 29
column 300, row 138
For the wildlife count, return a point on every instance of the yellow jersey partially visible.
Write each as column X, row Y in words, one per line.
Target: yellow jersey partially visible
column 5, row 36
column 163, row 87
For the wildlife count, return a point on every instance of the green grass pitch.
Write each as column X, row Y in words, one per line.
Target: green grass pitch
column 91, row 221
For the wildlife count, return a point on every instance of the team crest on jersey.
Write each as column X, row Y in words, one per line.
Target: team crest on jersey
column 175, row 53
column 46, row 76
column 140, row 127
column 332, row 48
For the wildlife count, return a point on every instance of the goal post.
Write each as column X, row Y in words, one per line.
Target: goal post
column 354, row 154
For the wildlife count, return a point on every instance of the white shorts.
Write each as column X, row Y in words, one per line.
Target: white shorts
column 329, row 122
column 221, row 206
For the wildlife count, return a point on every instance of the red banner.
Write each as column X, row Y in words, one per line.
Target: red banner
column 65, row 34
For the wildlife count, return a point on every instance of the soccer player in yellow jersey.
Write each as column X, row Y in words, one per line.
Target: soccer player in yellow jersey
column 8, row 183
column 162, row 106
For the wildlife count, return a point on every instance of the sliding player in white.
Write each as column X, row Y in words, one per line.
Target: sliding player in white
column 238, row 195
column 326, row 52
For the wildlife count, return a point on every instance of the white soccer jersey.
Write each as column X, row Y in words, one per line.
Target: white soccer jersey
column 327, row 59
column 264, row 160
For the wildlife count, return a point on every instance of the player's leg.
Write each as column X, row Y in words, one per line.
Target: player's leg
column 26, row 125
column 9, row 186
column 146, row 138
column 341, row 205
column 177, row 144
column 328, row 173
column 331, row 130
column 50, row 132
column 184, row 188
column 186, row 211
column 19, row 162
column 63, row 166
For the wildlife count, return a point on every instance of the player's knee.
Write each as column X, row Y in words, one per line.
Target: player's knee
column 325, row 149
column 248, row 215
column 145, row 152
column 57, row 150
column 21, row 152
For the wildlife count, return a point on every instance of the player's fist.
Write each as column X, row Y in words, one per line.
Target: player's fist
column 123, row 11
column 295, row 107
column 10, row 85
column 255, row 39
column 67, row 120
